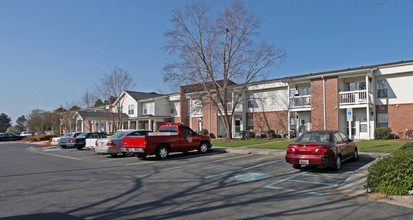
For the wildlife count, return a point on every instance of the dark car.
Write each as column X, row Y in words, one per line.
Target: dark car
column 80, row 141
column 321, row 148
column 63, row 140
column 10, row 137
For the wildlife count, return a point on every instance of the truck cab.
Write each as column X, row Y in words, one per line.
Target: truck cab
column 172, row 137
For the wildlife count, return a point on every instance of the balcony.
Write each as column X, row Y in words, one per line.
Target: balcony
column 354, row 97
column 303, row 101
column 238, row 108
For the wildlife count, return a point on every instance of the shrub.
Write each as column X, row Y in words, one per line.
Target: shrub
column 409, row 133
column 382, row 133
column 271, row 133
column 203, row 132
column 42, row 137
column 252, row 134
column 394, row 173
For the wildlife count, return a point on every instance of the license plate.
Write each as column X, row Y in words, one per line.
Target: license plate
column 132, row 149
column 303, row 162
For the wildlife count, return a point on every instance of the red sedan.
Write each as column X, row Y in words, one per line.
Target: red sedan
column 321, row 148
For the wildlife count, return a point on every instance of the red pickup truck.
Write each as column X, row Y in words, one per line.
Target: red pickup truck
column 172, row 137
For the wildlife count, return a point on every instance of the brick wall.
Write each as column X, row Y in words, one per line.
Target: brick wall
column 317, row 114
column 275, row 120
column 317, row 104
column 332, row 103
column 183, row 107
column 400, row 118
column 210, row 119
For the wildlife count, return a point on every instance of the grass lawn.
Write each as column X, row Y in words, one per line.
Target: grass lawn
column 238, row 142
column 385, row 146
column 282, row 145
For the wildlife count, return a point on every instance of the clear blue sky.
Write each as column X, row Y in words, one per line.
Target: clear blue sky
column 52, row 51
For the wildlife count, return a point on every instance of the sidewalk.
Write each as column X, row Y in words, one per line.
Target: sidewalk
column 352, row 186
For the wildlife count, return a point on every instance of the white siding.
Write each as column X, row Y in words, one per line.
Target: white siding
column 126, row 101
column 150, row 107
column 162, row 107
column 269, row 100
column 399, row 89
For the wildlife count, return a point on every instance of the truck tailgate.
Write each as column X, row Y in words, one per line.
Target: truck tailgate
column 134, row 141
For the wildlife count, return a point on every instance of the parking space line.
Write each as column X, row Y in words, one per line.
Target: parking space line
column 333, row 177
column 246, row 168
column 56, row 155
column 319, row 183
column 293, row 190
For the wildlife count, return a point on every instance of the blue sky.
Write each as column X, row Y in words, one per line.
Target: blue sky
column 52, row 51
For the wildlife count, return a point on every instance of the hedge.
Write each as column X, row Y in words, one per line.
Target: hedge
column 394, row 173
column 382, row 133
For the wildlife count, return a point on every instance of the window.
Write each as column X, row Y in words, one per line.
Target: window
column 251, row 101
column 186, row 131
column 131, row 110
column 382, row 120
column 250, row 124
column 382, row 88
column 145, row 110
column 173, row 109
column 168, row 129
column 337, row 138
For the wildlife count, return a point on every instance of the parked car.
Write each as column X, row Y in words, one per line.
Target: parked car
column 10, row 137
column 113, row 144
column 26, row 134
column 80, row 141
column 63, row 140
column 321, row 148
column 91, row 141
column 172, row 137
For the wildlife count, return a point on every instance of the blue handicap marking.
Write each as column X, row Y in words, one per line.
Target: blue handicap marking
column 249, row 177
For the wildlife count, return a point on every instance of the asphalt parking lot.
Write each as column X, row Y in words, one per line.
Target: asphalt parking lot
column 52, row 183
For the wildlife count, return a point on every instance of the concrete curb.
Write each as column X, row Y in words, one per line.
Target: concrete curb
column 352, row 186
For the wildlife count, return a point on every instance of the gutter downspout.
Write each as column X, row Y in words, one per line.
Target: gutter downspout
column 324, row 101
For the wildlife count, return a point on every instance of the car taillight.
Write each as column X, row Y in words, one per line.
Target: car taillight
column 320, row 149
column 96, row 143
column 73, row 141
column 291, row 148
column 145, row 142
column 110, row 143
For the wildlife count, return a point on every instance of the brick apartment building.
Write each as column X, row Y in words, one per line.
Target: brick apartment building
column 374, row 96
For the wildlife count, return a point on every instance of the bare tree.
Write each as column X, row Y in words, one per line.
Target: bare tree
column 112, row 85
column 88, row 99
column 215, row 51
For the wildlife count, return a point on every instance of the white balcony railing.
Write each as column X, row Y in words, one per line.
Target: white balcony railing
column 238, row 108
column 354, row 97
column 303, row 101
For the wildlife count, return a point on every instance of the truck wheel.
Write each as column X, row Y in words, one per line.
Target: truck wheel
column 162, row 152
column 127, row 154
column 203, row 148
column 113, row 154
column 142, row 156
column 296, row 166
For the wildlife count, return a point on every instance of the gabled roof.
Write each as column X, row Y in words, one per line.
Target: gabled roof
column 143, row 95
column 85, row 114
column 198, row 87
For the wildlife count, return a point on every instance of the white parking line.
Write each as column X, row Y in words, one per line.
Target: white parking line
column 246, row 168
column 56, row 155
column 172, row 168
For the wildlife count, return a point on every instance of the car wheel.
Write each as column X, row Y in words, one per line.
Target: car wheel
column 162, row 152
column 338, row 163
column 79, row 148
column 203, row 148
column 296, row 166
column 355, row 155
column 113, row 154
column 142, row 156
column 127, row 154
column 63, row 146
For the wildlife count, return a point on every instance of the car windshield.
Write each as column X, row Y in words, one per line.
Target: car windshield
column 120, row 134
column 314, row 137
column 82, row 135
column 68, row 135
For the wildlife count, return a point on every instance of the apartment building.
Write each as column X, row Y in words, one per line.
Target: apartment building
column 354, row 101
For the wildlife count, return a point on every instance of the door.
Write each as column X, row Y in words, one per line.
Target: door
column 237, row 132
column 189, row 141
column 363, row 127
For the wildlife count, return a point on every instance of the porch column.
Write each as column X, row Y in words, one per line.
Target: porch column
column 288, row 114
column 368, row 107
column 128, row 124
column 82, row 129
column 150, row 124
column 155, row 126
column 137, row 124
